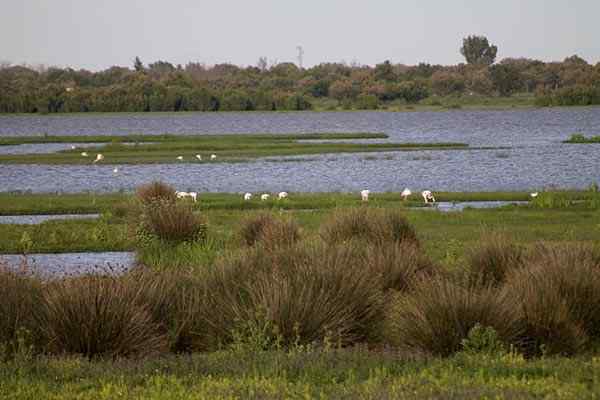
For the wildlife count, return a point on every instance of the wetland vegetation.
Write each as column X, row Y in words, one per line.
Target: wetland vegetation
column 313, row 295
column 341, row 298
column 148, row 149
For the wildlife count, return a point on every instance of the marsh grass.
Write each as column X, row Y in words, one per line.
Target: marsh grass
column 579, row 138
column 173, row 222
column 269, row 230
column 436, row 316
column 100, row 316
column 228, row 148
column 371, row 225
column 559, row 292
column 491, row 261
column 20, row 294
column 155, row 191
column 305, row 294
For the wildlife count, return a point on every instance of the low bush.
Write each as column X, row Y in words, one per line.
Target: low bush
column 97, row 316
column 490, row 261
column 436, row 316
column 370, row 225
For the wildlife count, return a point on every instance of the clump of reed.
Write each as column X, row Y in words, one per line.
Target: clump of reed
column 173, row 222
column 20, row 295
column 491, row 261
column 100, row 316
column 370, row 225
column 436, row 316
column 269, row 230
column 155, row 191
column 303, row 294
column 559, row 297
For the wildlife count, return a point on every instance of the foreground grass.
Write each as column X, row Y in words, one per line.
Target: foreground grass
column 149, row 149
column 301, row 374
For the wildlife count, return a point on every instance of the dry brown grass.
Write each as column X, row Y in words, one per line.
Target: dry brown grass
column 305, row 294
column 173, row 221
column 369, row 225
column 491, row 261
column 97, row 316
column 437, row 315
column 559, row 293
column 20, row 294
column 155, row 191
column 269, row 230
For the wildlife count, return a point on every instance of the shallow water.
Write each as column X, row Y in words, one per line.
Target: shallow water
column 67, row 264
column 445, row 206
column 38, row 219
column 479, row 170
column 535, row 160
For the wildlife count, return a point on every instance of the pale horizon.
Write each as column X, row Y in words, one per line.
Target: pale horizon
column 95, row 36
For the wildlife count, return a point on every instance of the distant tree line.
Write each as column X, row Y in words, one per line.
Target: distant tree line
column 162, row 86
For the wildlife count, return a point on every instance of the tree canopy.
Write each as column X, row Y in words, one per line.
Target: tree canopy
column 477, row 50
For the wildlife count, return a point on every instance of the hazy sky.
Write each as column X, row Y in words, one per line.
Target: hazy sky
column 96, row 34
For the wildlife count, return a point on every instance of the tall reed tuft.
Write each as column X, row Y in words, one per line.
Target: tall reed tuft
column 304, row 294
column 559, row 293
column 436, row 316
column 100, row 316
column 269, row 230
column 370, row 225
column 20, row 296
column 155, row 191
column 173, row 222
column 491, row 261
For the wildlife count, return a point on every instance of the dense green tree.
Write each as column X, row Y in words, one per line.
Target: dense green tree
column 477, row 50
column 506, row 79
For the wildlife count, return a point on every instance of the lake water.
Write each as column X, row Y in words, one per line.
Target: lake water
column 67, row 264
column 535, row 160
column 38, row 219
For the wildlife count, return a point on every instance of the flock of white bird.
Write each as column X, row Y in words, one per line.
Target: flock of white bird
column 266, row 196
column 100, row 157
column 406, row 193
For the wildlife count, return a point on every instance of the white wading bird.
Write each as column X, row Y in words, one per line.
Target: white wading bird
column 84, row 154
column 248, row 196
column 199, row 157
column 192, row 195
column 534, row 195
column 265, row 197
column 73, row 147
column 428, row 196
column 405, row 194
column 364, row 195
column 282, row 195
column 99, row 157
column 213, row 156
column 180, row 158
column 116, row 170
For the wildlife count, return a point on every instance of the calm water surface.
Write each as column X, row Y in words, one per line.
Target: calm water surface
column 38, row 219
column 65, row 264
column 536, row 159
